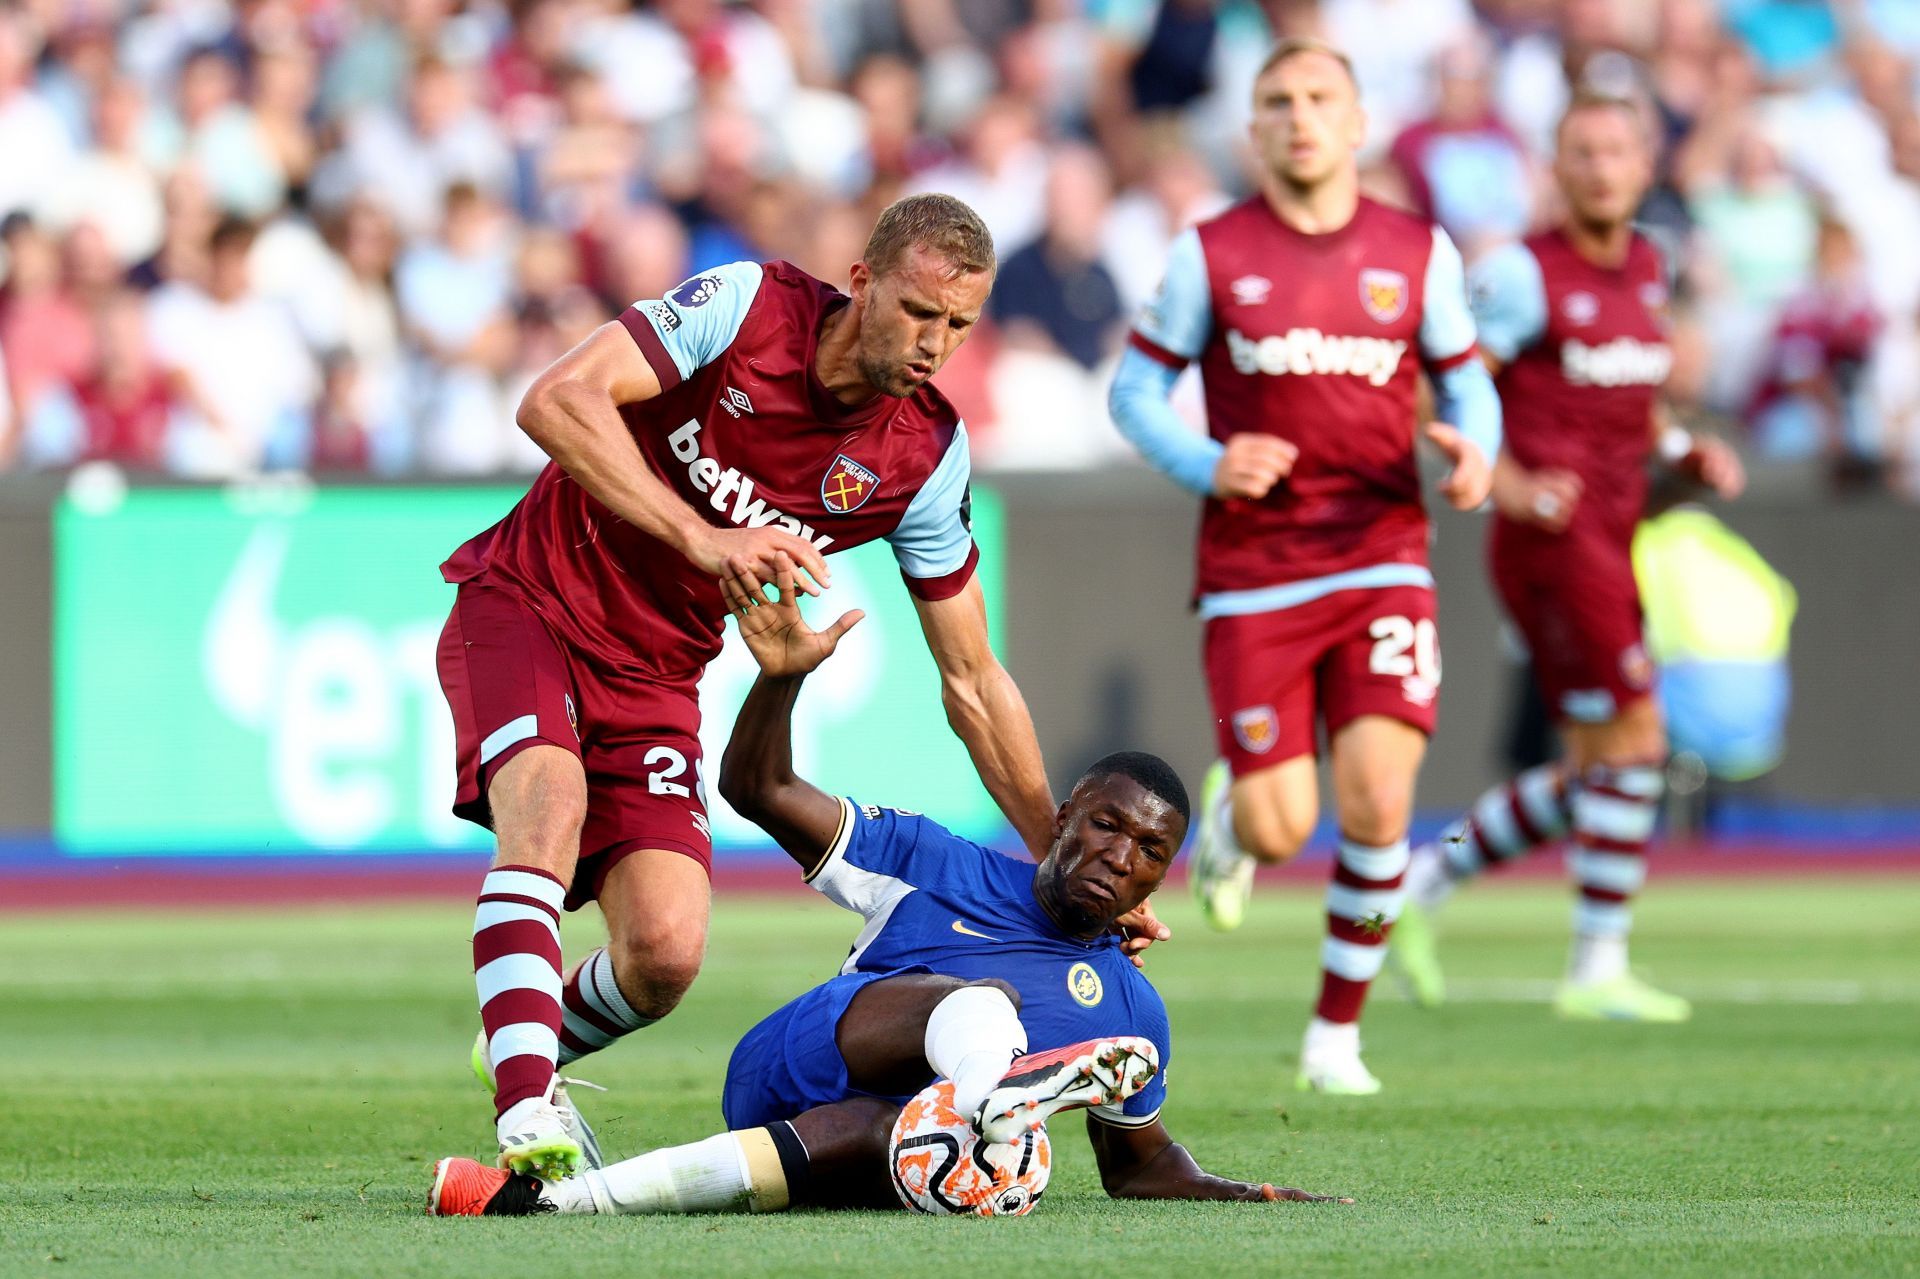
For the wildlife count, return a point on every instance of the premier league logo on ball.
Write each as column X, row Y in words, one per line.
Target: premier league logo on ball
column 848, row 485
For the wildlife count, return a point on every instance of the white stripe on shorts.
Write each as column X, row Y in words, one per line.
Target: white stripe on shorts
column 514, row 730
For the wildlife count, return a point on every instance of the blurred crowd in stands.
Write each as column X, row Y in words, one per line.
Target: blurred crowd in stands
column 342, row 236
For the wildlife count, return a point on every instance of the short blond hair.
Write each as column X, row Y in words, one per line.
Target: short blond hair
column 941, row 224
column 1585, row 100
column 1293, row 46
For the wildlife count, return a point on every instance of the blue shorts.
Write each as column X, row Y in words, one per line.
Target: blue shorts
column 790, row 1062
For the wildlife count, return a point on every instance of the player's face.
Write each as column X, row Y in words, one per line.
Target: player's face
column 1604, row 165
column 1114, row 844
column 1307, row 122
column 913, row 318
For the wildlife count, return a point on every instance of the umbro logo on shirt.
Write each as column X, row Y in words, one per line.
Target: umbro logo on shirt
column 735, row 401
column 1251, row 290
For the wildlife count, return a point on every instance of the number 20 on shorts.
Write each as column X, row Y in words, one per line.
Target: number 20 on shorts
column 1403, row 647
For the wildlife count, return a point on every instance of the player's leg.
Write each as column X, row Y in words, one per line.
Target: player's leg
column 538, row 800
column 1619, row 766
column 1375, row 760
column 833, row 1156
column 899, row 1033
column 1378, row 687
column 656, row 902
column 508, row 687
column 1523, row 814
column 1518, row 817
column 1550, row 607
column 1261, row 799
column 648, row 863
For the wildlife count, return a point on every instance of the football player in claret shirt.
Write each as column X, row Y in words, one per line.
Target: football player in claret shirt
column 1575, row 321
column 968, row 959
column 1311, row 311
column 752, row 413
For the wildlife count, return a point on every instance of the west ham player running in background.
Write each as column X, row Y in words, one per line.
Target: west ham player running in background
column 1574, row 321
column 1310, row 311
column 755, row 412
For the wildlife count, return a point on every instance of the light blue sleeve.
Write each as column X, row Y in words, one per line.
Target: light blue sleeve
column 1464, row 397
column 1179, row 317
column 935, row 537
column 699, row 319
column 1446, row 322
column 1509, row 300
column 1138, row 401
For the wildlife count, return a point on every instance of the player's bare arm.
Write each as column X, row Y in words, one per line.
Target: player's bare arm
column 987, row 712
column 1545, row 497
column 572, row 411
column 1144, row 1162
column 756, row 773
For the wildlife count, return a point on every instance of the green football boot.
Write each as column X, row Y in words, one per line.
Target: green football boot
column 1414, row 956
column 1221, row 875
column 1622, row 998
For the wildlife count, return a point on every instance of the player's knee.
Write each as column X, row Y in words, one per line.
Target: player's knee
column 1004, row 987
column 1374, row 811
column 655, row 971
column 1272, row 833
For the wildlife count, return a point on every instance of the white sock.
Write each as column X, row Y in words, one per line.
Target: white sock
column 1331, row 1037
column 733, row 1172
column 515, row 1115
column 1428, row 884
column 1228, row 838
column 972, row 1035
column 1597, row 958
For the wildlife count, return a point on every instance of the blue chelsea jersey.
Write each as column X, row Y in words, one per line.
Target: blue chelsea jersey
column 936, row 902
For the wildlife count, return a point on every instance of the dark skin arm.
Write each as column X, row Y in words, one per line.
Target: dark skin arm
column 756, row 772
column 1146, row 1163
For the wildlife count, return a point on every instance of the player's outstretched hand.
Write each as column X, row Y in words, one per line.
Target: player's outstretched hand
column 1140, row 928
column 1252, row 464
column 716, row 549
column 1545, row 498
column 777, row 636
column 1471, row 478
column 1276, row 1194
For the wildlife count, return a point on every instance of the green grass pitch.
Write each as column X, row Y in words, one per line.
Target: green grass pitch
column 262, row 1093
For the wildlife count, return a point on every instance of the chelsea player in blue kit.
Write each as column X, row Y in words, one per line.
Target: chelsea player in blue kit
column 967, row 956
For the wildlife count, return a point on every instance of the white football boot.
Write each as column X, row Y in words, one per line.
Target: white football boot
column 1099, row 1072
column 575, row 1124
column 1330, row 1062
column 1221, row 874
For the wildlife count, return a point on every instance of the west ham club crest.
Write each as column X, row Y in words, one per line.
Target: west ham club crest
column 1256, row 729
column 848, row 485
column 1383, row 293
